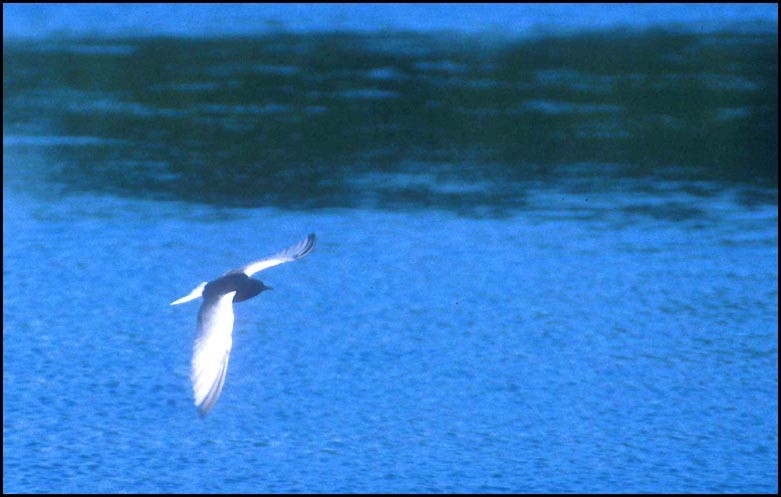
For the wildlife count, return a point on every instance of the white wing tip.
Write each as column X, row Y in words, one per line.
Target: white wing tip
column 308, row 245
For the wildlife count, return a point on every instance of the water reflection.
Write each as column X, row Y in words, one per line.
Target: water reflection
column 393, row 121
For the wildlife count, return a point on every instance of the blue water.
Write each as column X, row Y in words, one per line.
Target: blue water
column 543, row 265
column 409, row 352
column 45, row 20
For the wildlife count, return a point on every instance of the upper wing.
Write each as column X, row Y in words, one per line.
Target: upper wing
column 290, row 254
column 212, row 350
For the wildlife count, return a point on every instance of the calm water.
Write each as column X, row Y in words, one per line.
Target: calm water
column 543, row 266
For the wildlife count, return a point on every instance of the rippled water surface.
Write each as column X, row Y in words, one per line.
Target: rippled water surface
column 538, row 269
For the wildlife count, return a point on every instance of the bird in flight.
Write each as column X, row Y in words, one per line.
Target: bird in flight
column 215, row 320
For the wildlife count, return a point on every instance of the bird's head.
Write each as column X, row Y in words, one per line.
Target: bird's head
column 250, row 289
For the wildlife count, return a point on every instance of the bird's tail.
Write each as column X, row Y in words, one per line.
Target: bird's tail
column 197, row 292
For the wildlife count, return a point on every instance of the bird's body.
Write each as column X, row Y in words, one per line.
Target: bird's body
column 213, row 341
column 244, row 286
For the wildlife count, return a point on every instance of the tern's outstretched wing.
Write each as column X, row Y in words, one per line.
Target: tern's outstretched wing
column 212, row 349
column 290, row 254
